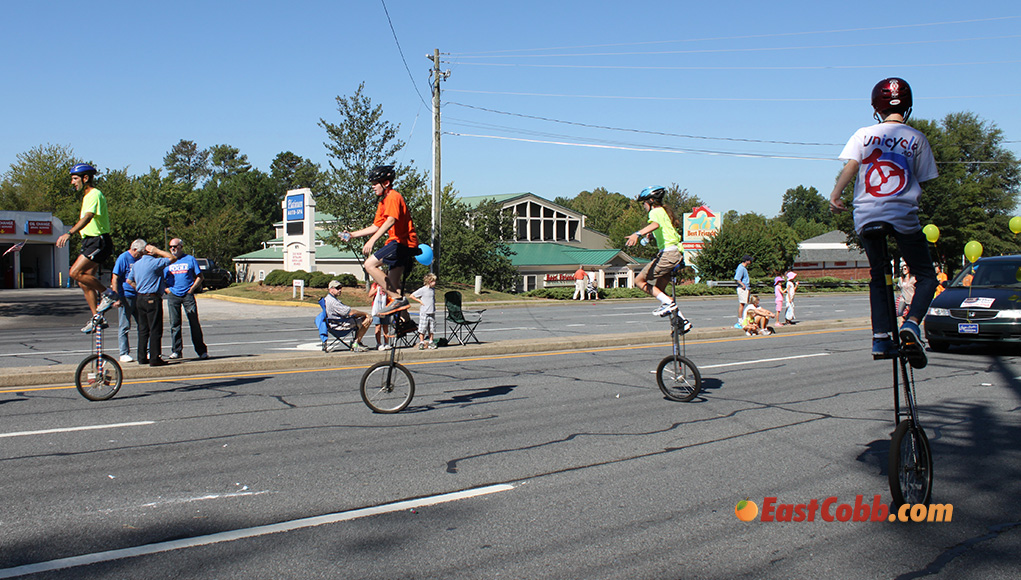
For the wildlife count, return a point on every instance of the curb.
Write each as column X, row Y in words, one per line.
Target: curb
column 309, row 360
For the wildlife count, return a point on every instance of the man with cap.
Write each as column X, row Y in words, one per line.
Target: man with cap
column 743, row 281
column 126, row 303
column 335, row 310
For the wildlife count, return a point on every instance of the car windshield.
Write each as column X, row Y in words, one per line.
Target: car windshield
column 990, row 274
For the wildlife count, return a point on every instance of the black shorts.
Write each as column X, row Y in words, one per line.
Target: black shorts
column 97, row 248
column 396, row 255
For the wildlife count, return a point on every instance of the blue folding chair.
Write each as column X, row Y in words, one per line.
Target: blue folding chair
column 335, row 331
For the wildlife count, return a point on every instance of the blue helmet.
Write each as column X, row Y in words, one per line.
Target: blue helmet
column 653, row 192
column 83, row 169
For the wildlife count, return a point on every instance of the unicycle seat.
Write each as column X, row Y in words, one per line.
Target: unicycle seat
column 876, row 230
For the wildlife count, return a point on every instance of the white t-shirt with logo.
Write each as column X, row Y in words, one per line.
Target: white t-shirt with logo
column 894, row 159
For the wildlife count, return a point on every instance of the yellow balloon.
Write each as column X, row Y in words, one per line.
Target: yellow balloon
column 972, row 251
column 932, row 233
column 1015, row 224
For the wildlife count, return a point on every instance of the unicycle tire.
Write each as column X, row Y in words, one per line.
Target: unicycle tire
column 98, row 377
column 678, row 378
column 910, row 468
column 386, row 390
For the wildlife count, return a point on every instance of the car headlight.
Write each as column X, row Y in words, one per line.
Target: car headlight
column 1009, row 314
column 938, row 312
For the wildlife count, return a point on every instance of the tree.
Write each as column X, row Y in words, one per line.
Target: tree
column 361, row 140
column 772, row 243
column 295, row 172
column 227, row 161
column 805, row 210
column 973, row 196
column 186, row 163
column 601, row 208
column 474, row 242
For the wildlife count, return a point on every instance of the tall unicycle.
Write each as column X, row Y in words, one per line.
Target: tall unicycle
column 678, row 378
column 99, row 375
column 387, row 386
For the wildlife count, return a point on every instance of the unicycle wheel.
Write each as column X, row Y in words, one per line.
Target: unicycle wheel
column 678, row 378
column 386, row 388
column 910, row 468
column 98, row 377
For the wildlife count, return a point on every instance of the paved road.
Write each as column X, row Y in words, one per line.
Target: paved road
column 584, row 470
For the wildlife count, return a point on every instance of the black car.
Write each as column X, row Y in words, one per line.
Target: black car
column 212, row 276
column 982, row 305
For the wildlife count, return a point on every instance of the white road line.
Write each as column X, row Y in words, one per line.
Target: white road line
column 87, row 559
column 73, row 429
column 763, row 360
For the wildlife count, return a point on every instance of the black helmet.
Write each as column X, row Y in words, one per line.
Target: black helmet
column 381, row 173
column 653, row 192
column 892, row 95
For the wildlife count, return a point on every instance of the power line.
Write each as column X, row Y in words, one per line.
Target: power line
column 660, row 133
column 401, row 51
column 750, row 36
column 739, row 99
column 707, row 68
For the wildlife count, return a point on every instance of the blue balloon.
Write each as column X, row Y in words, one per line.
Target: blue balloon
column 426, row 257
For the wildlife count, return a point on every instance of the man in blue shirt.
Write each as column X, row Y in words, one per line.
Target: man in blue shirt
column 184, row 279
column 147, row 277
column 126, row 303
column 743, row 280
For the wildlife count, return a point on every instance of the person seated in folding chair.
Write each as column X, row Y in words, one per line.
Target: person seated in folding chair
column 392, row 220
column 339, row 320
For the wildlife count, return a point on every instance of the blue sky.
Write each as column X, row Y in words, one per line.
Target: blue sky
column 772, row 90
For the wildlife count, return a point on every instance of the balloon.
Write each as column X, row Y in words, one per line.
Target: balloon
column 972, row 251
column 931, row 233
column 426, row 257
column 1015, row 224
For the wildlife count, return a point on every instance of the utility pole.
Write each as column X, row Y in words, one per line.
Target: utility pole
column 437, row 183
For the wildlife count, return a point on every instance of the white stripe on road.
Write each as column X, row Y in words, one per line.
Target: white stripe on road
column 87, row 559
column 764, row 360
column 73, row 429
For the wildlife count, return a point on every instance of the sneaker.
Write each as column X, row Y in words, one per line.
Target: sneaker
column 385, row 347
column 105, row 302
column 395, row 305
column 738, row 325
column 204, row 356
column 127, row 358
column 882, row 348
column 359, row 347
column 174, row 355
column 911, row 344
column 96, row 321
column 431, row 346
column 685, row 325
column 665, row 309
column 421, row 346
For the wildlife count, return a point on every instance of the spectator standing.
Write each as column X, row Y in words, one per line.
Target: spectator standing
column 743, row 281
column 126, row 303
column 792, row 289
column 426, row 295
column 579, row 284
column 778, row 297
column 382, row 322
column 907, row 291
column 147, row 277
column 184, row 279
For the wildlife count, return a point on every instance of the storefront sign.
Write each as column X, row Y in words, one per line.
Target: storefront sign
column 560, row 277
column 7, row 227
column 39, row 228
column 698, row 226
column 295, row 207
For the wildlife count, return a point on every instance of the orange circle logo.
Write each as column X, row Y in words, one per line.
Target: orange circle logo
column 746, row 510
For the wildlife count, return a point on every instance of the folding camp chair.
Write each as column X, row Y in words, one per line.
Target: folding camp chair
column 462, row 328
column 334, row 331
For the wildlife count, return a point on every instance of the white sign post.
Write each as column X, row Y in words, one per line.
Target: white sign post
column 296, row 285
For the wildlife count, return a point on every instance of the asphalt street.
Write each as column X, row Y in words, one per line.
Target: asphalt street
column 566, row 464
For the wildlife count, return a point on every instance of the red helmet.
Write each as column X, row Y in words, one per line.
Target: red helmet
column 892, row 95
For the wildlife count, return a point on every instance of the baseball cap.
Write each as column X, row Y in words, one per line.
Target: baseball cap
column 334, row 283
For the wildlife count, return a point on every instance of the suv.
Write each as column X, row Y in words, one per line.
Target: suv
column 212, row 276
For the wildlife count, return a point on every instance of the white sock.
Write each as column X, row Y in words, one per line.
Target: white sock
column 664, row 298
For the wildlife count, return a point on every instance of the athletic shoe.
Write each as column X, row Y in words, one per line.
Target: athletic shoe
column 127, row 358
column 665, row 309
column 175, row 355
column 738, row 325
column 421, row 346
column 359, row 347
column 105, row 302
column 685, row 326
column 385, row 347
column 96, row 321
column 204, row 356
column 911, row 344
column 397, row 303
column 883, row 348
column 431, row 346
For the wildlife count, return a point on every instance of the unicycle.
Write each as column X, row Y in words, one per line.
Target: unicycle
column 676, row 375
column 99, row 375
column 387, row 386
column 910, row 463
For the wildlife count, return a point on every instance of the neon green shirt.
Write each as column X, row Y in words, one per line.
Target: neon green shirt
column 94, row 202
column 666, row 234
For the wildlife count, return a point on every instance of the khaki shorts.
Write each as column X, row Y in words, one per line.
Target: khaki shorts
column 661, row 265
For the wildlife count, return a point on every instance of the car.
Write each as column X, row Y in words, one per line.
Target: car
column 982, row 305
column 212, row 276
